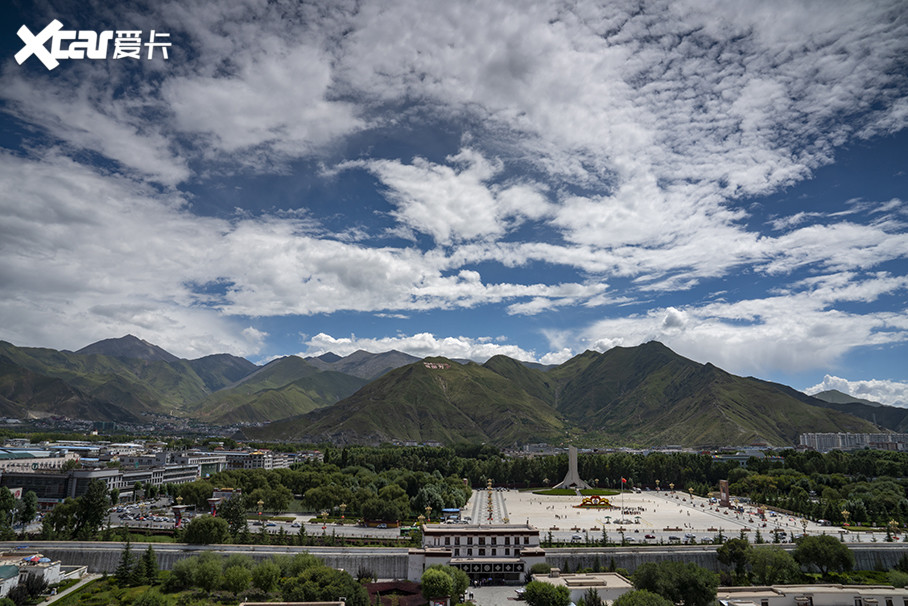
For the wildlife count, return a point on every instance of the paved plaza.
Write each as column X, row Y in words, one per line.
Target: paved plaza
column 660, row 514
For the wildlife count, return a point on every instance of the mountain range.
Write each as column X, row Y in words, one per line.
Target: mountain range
column 644, row 395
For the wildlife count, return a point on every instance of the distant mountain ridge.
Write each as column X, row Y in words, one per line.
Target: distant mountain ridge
column 363, row 364
column 125, row 378
column 642, row 395
column 128, row 347
column 645, row 395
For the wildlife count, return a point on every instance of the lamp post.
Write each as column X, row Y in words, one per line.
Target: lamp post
column 845, row 514
column 671, row 486
column 428, row 514
column 421, row 519
column 691, row 491
column 657, row 485
column 893, row 528
column 260, row 503
column 343, row 508
column 324, row 515
column 804, row 525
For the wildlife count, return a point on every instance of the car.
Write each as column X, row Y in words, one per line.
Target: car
column 674, row 539
column 576, row 538
column 295, row 525
column 256, row 523
column 649, row 536
column 690, row 535
column 270, row 524
column 630, row 540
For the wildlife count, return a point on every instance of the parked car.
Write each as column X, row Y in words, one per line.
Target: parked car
column 295, row 525
column 649, row 536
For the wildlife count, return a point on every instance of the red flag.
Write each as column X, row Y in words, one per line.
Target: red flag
column 623, row 481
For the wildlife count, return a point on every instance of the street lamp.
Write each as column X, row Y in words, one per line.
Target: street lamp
column 657, row 485
column 428, row 514
column 691, row 491
column 343, row 508
column 845, row 514
column 671, row 486
column 260, row 503
column 324, row 515
column 804, row 525
column 421, row 519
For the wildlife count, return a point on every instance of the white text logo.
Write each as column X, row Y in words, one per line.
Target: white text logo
column 86, row 44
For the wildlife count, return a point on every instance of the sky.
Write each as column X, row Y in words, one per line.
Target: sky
column 465, row 179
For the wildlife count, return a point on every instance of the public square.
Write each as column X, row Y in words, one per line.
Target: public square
column 649, row 517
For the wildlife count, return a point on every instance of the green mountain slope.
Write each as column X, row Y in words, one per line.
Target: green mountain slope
column 221, row 370
column 285, row 387
column 434, row 399
column 651, row 395
column 27, row 393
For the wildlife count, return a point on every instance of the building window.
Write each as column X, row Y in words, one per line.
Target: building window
column 456, row 552
column 482, row 552
column 447, row 540
column 495, row 552
column 526, row 540
column 457, row 540
column 858, row 602
column 469, row 552
column 516, row 553
column 507, row 540
column 482, row 540
column 469, row 540
column 494, row 540
column 507, row 552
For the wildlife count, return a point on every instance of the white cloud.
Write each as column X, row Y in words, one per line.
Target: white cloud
column 456, row 203
column 420, row 345
column 892, row 393
column 274, row 101
column 790, row 332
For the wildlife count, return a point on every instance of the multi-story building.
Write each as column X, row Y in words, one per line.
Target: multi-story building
column 257, row 459
column 824, row 442
column 501, row 552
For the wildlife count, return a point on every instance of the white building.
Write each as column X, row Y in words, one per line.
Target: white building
column 813, row 595
column 502, row 552
column 609, row 585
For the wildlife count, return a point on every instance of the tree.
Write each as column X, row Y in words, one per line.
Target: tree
column 207, row 573
column 233, row 510
column 824, row 552
column 436, row 584
column 459, row 579
column 772, row 565
column 323, row 584
column 678, row 582
column 149, row 566
column 591, row 598
column 236, row 579
column 28, row 507
column 734, row 553
column 7, row 507
column 539, row 593
column 123, row 572
column 642, row 597
column 265, row 576
column 207, row 530
column 91, row 509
